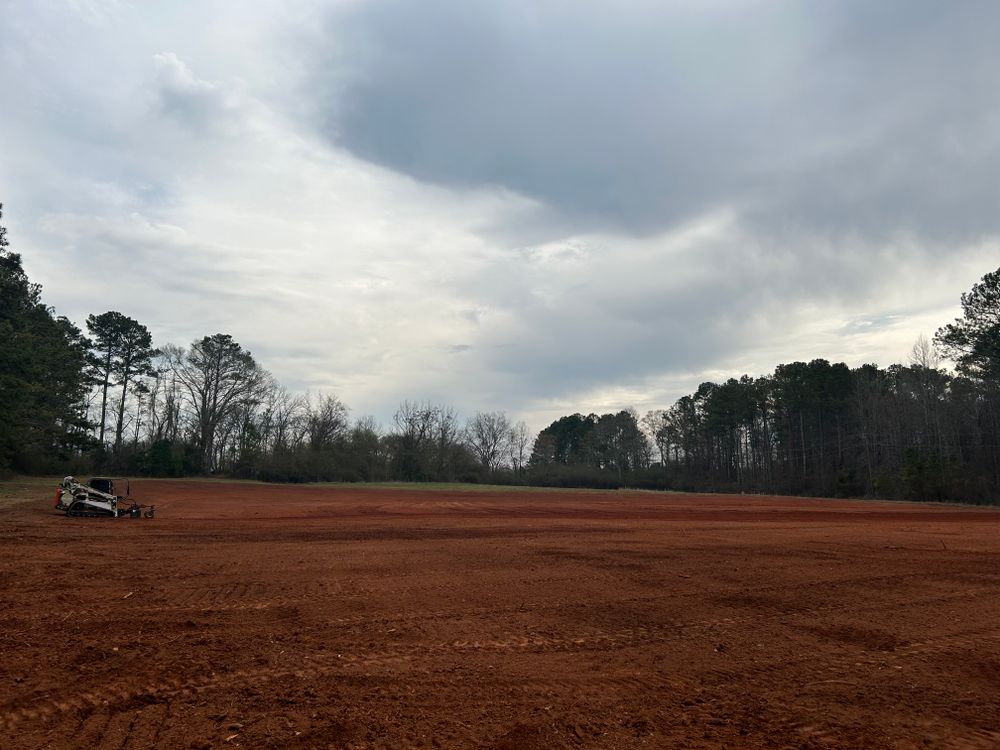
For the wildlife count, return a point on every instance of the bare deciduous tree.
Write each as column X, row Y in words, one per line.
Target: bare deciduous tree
column 413, row 432
column 924, row 354
column 326, row 421
column 488, row 436
column 519, row 446
column 447, row 436
column 163, row 421
column 217, row 375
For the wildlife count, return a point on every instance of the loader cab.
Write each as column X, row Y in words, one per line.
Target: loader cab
column 109, row 485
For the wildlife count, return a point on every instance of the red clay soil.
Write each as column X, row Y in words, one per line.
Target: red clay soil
column 259, row 616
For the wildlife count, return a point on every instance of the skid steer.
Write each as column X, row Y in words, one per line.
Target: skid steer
column 102, row 497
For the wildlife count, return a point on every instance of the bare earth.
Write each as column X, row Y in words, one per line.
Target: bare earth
column 338, row 617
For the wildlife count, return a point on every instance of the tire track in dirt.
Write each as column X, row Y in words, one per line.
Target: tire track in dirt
column 787, row 608
column 971, row 739
column 234, row 596
column 248, row 596
column 966, row 640
column 832, row 672
column 606, row 641
column 774, row 609
column 832, row 666
column 813, row 732
column 313, row 666
column 212, row 596
column 141, row 725
column 145, row 729
column 603, row 641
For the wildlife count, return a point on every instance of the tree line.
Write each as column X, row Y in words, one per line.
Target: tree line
column 913, row 431
column 107, row 400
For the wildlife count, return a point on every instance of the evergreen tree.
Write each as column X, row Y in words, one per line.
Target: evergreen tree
column 973, row 340
column 121, row 355
column 42, row 374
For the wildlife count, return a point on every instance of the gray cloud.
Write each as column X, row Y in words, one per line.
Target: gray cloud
column 849, row 117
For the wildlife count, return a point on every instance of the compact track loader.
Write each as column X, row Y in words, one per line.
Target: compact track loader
column 99, row 499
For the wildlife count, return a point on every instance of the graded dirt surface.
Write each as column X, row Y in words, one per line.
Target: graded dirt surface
column 262, row 616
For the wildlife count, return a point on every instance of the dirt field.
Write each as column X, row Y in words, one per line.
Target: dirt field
column 270, row 617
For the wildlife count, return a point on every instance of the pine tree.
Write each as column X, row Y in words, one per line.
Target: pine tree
column 42, row 374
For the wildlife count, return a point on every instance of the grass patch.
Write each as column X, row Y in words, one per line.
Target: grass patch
column 31, row 486
column 27, row 489
column 459, row 487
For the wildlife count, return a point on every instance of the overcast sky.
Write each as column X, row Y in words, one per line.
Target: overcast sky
column 532, row 205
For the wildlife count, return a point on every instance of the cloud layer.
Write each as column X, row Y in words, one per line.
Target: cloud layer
column 543, row 207
column 840, row 118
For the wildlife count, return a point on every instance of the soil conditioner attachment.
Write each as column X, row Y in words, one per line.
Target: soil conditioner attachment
column 99, row 499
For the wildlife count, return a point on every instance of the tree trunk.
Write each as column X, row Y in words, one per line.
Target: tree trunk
column 120, row 426
column 104, row 397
